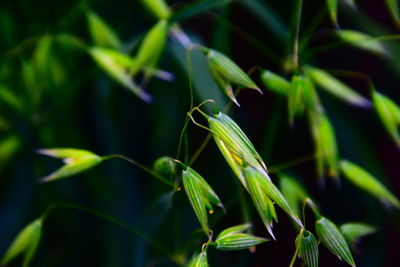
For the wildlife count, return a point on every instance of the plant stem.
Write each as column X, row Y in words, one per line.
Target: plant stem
column 116, row 221
column 298, row 10
column 141, row 166
column 294, row 257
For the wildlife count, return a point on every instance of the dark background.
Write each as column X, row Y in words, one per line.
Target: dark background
column 85, row 109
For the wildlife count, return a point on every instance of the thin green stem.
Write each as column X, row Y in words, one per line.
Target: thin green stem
column 294, row 257
column 116, row 221
column 141, row 166
column 298, row 10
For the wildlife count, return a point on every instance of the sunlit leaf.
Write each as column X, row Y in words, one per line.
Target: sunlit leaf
column 275, row 82
column 8, row 148
column 223, row 84
column 8, row 97
column 325, row 145
column 234, row 139
column 25, row 243
column 296, row 103
column 389, row 113
column 76, row 161
column 293, row 192
column 159, row 8
column 237, row 241
column 362, row 41
column 200, row 195
column 117, row 65
column 393, row 6
column 234, row 230
column 332, row 7
column 102, row 34
column 333, row 239
column 151, row 47
column 336, row 87
column 199, row 261
column 262, row 182
column 354, row 231
column 308, row 248
column 228, row 69
column 367, row 182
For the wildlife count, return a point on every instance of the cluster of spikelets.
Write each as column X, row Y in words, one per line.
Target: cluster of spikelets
column 236, row 148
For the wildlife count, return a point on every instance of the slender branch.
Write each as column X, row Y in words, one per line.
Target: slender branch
column 298, row 6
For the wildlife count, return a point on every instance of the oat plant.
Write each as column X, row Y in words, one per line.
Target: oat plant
column 249, row 133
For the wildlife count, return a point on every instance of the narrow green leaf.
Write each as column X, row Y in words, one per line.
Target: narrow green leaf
column 354, row 231
column 296, row 103
column 223, row 84
column 199, row 261
column 336, row 87
column 333, row 239
column 332, row 7
column 293, row 192
column 151, row 47
column 8, row 97
column 237, row 241
column 325, row 145
column 362, row 41
column 275, row 82
column 63, row 153
column 389, row 114
column 76, row 161
column 234, row 230
column 101, row 33
column 159, row 8
column 229, row 70
column 25, row 243
column 8, row 148
column 367, row 182
column 308, row 248
column 197, row 7
column 117, row 65
column 393, row 6
column 265, row 184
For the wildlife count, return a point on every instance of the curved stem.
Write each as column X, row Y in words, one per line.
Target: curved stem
column 115, row 221
column 294, row 257
column 141, row 166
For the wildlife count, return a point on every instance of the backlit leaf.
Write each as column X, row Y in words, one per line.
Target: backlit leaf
column 367, row 182
column 101, row 33
column 262, row 181
column 325, row 145
column 275, row 82
column 200, row 195
column 333, row 239
column 354, row 231
column 332, row 7
column 117, row 65
column 76, row 161
column 199, row 261
column 388, row 112
column 151, row 47
column 293, row 192
column 158, row 7
column 336, row 87
column 229, row 70
column 25, row 243
column 237, row 241
column 393, row 6
column 362, row 41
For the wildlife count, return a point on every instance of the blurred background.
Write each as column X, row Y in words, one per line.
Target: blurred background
column 54, row 95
